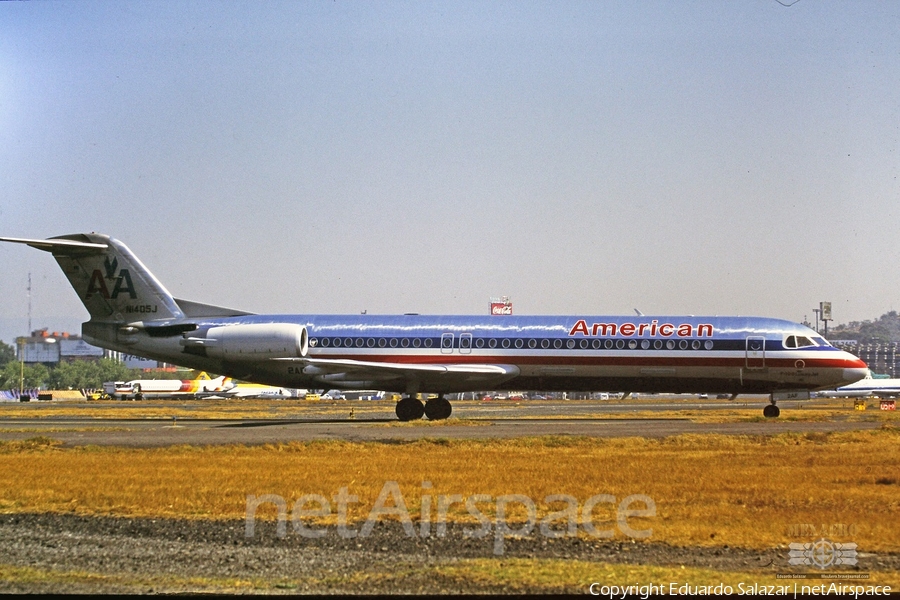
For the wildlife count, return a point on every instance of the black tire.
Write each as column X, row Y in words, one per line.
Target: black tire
column 438, row 409
column 771, row 411
column 409, row 409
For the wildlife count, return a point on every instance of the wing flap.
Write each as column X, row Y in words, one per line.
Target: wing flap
column 413, row 377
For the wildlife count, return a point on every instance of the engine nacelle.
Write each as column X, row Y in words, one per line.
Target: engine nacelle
column 256, row 341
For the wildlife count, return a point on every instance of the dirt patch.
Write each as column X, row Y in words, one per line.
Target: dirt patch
column 148, row 555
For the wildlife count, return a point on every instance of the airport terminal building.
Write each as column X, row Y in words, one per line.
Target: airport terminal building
column 51, row 348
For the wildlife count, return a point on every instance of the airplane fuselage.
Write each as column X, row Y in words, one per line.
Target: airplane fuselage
column 549, row 353
column 131, row 311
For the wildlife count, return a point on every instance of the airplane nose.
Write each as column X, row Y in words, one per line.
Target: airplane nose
column 855, row 374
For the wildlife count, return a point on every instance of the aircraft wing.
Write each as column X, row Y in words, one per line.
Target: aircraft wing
column 410, row 376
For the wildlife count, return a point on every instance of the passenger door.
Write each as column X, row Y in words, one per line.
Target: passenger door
column 756, row 352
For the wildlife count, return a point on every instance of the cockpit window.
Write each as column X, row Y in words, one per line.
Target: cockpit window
column 821, row 341
column 798, row 341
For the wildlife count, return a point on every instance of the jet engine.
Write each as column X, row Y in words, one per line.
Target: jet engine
column 253, row 342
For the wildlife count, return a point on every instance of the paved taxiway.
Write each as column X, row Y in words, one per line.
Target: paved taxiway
column 373, row 421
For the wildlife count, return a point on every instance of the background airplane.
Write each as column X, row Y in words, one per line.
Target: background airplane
column 868, row 386
column 132, row 311
column 149, row 388
column 253, row 391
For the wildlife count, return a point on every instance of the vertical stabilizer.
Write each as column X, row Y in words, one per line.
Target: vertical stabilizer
column 112, row 283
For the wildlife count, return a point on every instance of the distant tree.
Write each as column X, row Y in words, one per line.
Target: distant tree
column 874, row 333
column 891, row 322
column 36, row 376
column 9, row 376
column 75, row 375
column 113, row 370
column 180, row 374
column 7, row 354
column 883, row 330
column 87, row 374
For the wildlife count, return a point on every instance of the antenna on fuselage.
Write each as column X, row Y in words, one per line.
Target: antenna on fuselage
column 638, row 313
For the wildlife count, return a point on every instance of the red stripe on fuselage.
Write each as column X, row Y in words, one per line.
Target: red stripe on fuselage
column 738, row 360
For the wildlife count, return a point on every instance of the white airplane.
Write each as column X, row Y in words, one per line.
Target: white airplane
column 365, row 394
column 148, row 388
column 131, row 311
column 868, row 386
column 253, row 390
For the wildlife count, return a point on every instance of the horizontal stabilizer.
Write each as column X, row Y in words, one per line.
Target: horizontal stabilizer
column 62, row 246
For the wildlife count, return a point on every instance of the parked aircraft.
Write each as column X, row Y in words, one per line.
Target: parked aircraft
column 253, row 390
column 147, row 388
column 883, row 388
column 131, row 311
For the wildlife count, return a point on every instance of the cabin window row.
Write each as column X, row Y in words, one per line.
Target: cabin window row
column 466, row 343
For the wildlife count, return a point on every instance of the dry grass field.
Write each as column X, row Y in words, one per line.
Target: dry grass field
column 229, row 409
column 755, row 492
column 511, row 575
column 710, row 490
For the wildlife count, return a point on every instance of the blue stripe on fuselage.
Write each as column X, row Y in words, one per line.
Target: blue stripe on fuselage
column 539, row 327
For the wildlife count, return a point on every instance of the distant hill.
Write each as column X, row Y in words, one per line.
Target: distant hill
column 884, row 330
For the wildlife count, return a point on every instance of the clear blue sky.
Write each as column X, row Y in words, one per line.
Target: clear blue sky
column 334, row 157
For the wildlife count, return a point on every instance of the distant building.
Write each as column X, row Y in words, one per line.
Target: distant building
column 881, row 358
column 50, row 348
column 132, row 361
column 46, row 347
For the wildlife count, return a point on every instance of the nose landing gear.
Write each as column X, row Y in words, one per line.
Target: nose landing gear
column 771, row 411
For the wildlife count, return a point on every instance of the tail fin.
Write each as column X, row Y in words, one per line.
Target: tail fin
column 113, row 284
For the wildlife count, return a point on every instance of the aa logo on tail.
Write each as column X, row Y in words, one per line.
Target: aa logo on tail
column 121, row 281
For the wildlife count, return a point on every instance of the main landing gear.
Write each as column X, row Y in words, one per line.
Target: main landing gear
column 771, row 410
column 409, row 409
column 436, row 409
